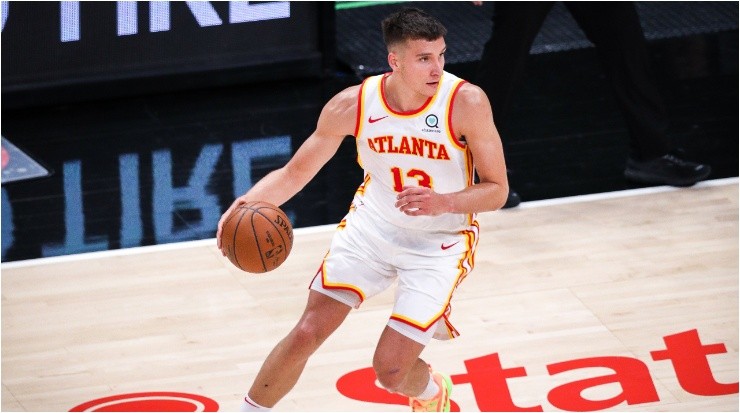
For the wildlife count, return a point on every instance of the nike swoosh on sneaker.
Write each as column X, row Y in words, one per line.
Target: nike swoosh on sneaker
column 371, row 120
column 444, row 247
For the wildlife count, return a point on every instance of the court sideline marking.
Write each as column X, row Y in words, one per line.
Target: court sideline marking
column 331, row 227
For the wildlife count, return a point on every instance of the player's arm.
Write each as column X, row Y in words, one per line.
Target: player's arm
column 337, row 120
column 475, row 123
column 472, row 118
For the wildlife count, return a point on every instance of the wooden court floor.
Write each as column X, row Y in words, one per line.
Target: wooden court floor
column 626, row 301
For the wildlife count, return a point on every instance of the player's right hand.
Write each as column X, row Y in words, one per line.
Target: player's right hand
column 234, row 205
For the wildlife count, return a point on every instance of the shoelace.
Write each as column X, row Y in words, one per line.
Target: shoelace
column 677, row 161
column 425, row 404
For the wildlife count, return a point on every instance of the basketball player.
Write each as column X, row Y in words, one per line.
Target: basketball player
column 420, row 133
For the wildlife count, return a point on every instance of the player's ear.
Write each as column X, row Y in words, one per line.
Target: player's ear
column 393, row 60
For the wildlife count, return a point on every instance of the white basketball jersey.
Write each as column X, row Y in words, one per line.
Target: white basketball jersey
column 417, row 148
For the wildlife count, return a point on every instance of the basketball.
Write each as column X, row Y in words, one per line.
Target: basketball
column 257, row 237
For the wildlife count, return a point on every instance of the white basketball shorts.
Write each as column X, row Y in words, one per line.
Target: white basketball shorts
column 367, row 255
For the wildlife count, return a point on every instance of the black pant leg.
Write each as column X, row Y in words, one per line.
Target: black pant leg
column 614, row 28
column 504, row 58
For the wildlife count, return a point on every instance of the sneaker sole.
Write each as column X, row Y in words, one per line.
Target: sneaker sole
column 650, row 179
column 448, row 384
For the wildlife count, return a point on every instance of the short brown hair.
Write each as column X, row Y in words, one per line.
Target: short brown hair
column 411, row 24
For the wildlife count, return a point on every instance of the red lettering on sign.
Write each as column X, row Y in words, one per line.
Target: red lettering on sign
column 689, row 358
column 489, row 379
column 631, row 374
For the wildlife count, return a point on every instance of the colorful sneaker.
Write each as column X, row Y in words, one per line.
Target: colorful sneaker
column 438, row 403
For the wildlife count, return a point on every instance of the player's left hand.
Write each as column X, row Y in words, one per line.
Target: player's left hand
column 420, row 200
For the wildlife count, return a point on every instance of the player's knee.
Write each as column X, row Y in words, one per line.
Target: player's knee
column 389, row 375
column 306, row 337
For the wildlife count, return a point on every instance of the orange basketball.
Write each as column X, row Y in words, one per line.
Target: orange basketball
column 257, row 237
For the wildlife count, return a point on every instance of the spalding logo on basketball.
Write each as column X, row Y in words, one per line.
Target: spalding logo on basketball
column 257, row 237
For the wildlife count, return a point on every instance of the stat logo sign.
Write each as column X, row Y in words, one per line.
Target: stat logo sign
column 489, row 379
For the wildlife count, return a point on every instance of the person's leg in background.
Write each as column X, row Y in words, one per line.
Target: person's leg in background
column 504, row 59
column 614, row 28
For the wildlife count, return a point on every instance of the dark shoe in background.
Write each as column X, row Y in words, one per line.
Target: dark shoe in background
column 512, row 200
column 666, row 170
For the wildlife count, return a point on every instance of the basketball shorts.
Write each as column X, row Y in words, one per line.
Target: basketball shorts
column 367, row 255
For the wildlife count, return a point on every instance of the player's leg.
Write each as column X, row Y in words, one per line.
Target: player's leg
column 425, row 287
column 400, row 370
column 397, row 364
column 284, row 365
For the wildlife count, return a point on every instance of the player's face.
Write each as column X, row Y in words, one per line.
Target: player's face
column 420, row 63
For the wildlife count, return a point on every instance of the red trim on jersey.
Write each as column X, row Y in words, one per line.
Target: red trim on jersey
column 317, row 274
column 345, row 287
column 417, row 326
column 449, row 116
column 409, row 113
column 451, row 330
column 359, row 107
